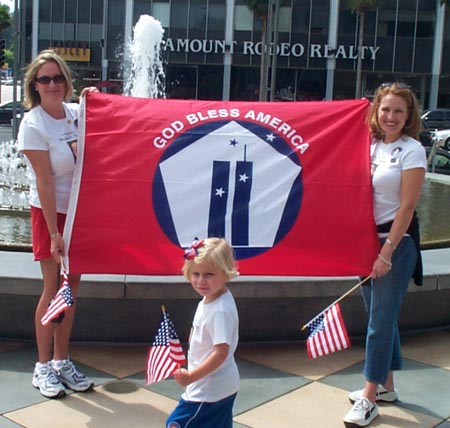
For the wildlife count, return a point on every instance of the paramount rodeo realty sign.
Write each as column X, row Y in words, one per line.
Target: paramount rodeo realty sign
column 282, row 49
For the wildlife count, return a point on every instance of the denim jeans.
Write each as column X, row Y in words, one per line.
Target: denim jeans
column 383, row 300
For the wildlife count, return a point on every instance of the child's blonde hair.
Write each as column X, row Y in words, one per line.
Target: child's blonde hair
column 216, row 251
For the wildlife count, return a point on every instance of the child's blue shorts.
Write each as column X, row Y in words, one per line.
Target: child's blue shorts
column 193, row 414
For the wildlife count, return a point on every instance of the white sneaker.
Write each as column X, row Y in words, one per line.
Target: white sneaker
column 70, row 377
column 382, row 395
column 361, row 414
column 44, row 379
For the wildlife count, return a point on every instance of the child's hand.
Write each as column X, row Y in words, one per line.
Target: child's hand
column 182, row 377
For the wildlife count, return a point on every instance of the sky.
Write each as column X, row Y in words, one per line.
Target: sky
column 10, row 3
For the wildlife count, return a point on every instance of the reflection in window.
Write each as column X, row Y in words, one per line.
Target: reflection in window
column 179, row 15
column 216, row 17
column 243, row 18
column 197, row 16
column 161, row 12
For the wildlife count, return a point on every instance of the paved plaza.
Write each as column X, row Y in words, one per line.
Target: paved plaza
column 280, row 387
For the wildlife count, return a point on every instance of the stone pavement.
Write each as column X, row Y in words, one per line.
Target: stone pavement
column 280, row 387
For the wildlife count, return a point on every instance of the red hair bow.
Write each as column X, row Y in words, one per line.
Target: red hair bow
column 192, row 251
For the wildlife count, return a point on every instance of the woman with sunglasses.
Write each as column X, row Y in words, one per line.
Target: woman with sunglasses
column 398, row 170
column 47, row 137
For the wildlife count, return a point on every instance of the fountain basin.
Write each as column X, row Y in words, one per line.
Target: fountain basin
column 123, row 308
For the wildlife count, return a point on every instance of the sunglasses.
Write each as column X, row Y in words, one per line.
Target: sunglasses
column 45, row 80
column 399, row 85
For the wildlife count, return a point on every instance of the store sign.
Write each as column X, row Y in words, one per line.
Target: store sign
column 72, row 50
column 282, row 49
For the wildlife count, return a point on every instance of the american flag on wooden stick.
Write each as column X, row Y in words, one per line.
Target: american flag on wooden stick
column 62, row 300
column 327, row 333
column 166, row 354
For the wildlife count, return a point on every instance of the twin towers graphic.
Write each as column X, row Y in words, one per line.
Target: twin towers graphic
column 230, row 179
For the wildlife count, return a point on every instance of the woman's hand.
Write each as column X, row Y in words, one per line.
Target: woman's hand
column 380, row 267
column 57, row 247
column 84, row 91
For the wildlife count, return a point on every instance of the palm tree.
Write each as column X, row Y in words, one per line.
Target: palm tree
column 261, row 9
column 361, row 7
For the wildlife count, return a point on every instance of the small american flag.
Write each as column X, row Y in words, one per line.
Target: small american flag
column 327, row 333
column 60, row 302
column 166, row 354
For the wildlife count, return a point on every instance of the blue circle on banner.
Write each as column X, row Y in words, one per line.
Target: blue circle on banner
column 233, row 179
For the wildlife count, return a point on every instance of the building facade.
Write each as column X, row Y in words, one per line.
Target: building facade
column 213, row 48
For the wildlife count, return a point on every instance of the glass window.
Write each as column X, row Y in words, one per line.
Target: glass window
column 179, row 15
column 57, row 11
column 243, row 18
column 69, row 32
column 284, row 19
column 161, row 11
column 96, row 32
column 320, row 16
column 141, row 7
column 57, row 31
column 84, row 30
column 45, row 11
column 97, row 12
column 197, row 16
column 70, row 11
column 45, row 31
column 116, row 28
column 181, row 82
column 216, row 17
column 84, row 11
column 300, row 20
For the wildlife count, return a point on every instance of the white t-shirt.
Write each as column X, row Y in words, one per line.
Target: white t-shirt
column 214, row 323
column 388, row 162
column 39, row 131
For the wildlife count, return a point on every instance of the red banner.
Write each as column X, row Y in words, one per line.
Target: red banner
column 287, row 184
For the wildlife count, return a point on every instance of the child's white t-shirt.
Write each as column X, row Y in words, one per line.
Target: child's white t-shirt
column 39, row 131
column 214, row 323
column 388, row 162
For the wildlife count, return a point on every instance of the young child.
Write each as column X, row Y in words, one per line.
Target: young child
column 212, row 377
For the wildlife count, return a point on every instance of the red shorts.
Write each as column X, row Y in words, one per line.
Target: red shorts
column 40, row 236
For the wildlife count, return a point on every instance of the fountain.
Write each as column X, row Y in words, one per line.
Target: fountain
column 15, row 230
column 142, row 68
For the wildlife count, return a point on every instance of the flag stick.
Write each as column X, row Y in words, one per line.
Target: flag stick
column 336, row 301
column 163, row 308
column 63, row 266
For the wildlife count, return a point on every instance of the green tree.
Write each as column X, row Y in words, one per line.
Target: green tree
column 361, row 7
column 5, row 17
column 261, row 10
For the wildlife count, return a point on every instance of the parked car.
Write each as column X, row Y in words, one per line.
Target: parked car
column 443, row 138
column 436, row 119
column 426, row 137
column 6, row 112
column 8, row 81
column 441, row 161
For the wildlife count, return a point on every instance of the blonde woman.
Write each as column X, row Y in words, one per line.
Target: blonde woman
column 47, row 137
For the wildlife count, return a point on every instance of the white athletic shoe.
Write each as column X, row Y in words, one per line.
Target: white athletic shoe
column 382, row 395
column 69, row 376
column 361, row 414
column 44, row 379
